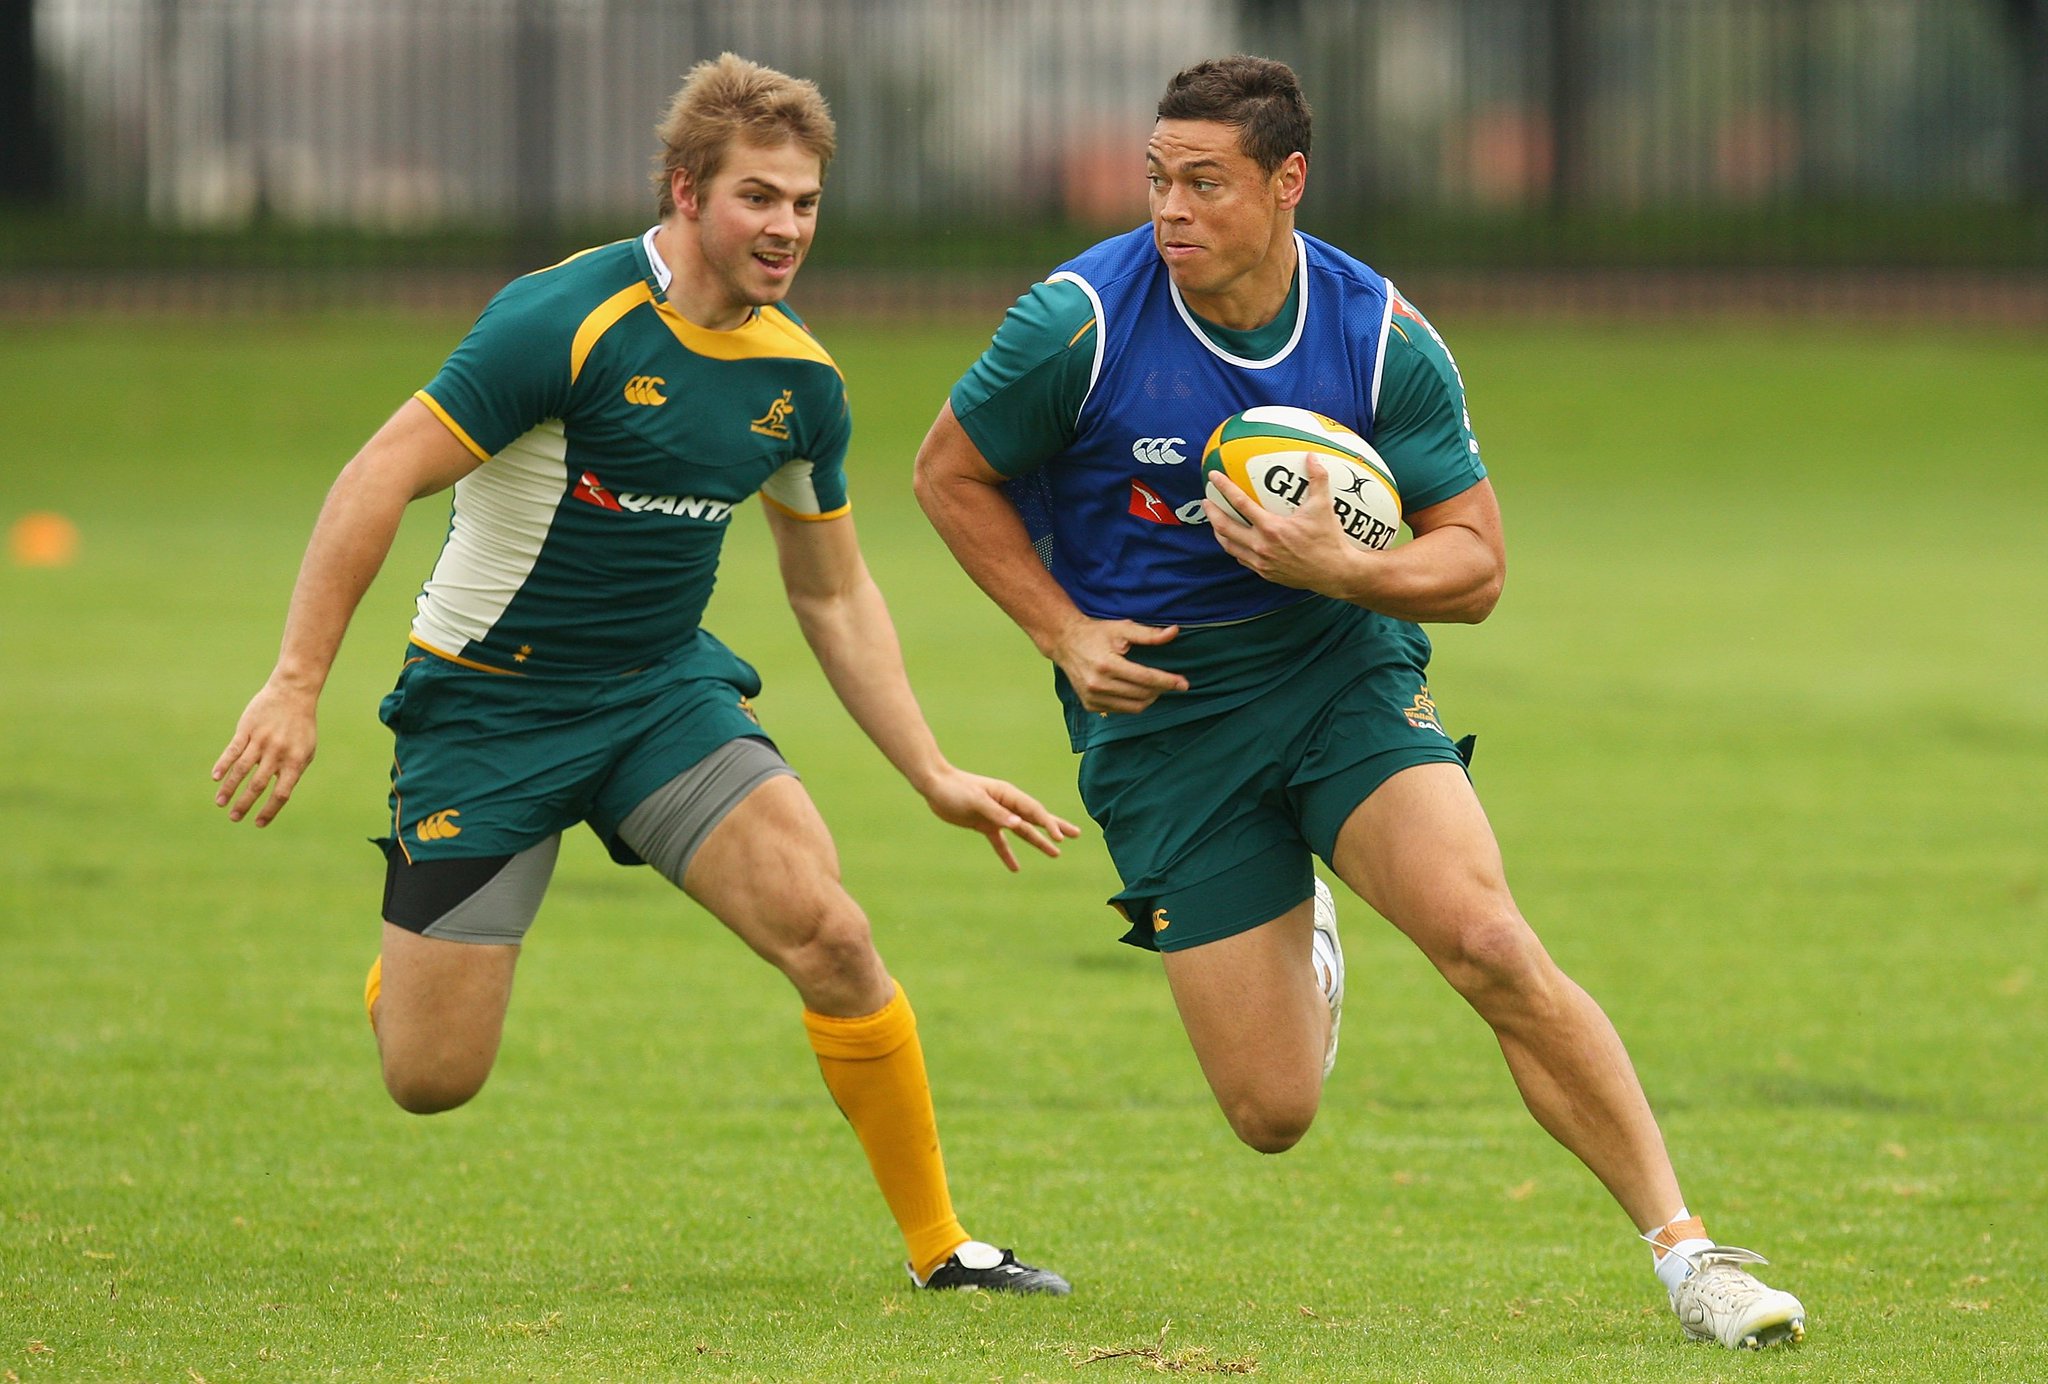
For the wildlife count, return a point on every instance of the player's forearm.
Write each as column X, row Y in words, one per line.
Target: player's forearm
column 1445, row 576
column 350, row 541
column 855, row 642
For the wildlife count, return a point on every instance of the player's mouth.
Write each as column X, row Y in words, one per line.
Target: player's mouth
column 779, row 264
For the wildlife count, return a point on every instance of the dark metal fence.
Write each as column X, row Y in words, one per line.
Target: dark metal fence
column 285, row 150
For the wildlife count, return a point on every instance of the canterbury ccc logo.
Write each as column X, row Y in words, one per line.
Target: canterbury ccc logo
column 646, row 389
column 1159, row 451
column 440, row 826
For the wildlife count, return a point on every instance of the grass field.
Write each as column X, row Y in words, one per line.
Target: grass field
column 1763, row 727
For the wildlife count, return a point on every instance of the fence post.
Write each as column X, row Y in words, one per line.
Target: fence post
column 2028, row 21
column 1571, row 65
column 533, row 135
column 27, row 171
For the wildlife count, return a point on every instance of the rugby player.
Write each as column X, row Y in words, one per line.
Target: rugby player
column 1246, row 697
column 598, row 425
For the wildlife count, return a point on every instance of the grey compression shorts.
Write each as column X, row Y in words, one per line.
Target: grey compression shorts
column 494, row 899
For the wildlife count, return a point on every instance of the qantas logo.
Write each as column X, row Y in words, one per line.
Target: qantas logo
column 1147, row 505
column 1159, row 451
column 591, row 491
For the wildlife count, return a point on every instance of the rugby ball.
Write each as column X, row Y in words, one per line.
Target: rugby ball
column 1265, row 450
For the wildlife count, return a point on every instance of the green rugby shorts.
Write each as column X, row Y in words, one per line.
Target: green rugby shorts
column 488, row 764
column 1211, row 823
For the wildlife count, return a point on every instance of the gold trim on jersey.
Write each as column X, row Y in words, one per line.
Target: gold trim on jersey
column 782, row 508
column 441, row 413
column 418, row 642
column 602, row 319
column 768, row 335
column 578, row 255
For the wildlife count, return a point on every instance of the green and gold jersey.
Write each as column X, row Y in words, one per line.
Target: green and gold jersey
column 616, row 438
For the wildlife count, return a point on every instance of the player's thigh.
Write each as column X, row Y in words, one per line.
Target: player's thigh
column 452, row 992
column 1253, row 1013
column 1421, row 851
column 740, row 835
column 452, row 932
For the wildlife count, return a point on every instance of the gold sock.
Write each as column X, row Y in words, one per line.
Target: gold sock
column 874, row 1068
column 373, row 986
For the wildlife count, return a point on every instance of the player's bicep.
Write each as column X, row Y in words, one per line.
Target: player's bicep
column 819, row 559
column 1476, row 509
column 418, row 452
column 948, row 453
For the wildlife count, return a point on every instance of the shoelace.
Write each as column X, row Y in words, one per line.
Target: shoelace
column 1732, row 1255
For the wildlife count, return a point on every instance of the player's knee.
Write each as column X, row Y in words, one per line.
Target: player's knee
column 1270, row 1126
column 421, row 1089
column 830, row 942
column 1495, row 958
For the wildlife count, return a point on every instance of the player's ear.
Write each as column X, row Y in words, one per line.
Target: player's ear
column 1290, row 180
column 683, row 192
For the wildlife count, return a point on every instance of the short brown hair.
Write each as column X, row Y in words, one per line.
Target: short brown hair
column 730, row 98
column 1258, row 97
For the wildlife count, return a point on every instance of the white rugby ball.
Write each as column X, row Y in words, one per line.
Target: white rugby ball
column 1265, row 450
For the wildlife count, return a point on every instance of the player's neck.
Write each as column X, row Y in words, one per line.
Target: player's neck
column 1255, row 297
column 693, row 291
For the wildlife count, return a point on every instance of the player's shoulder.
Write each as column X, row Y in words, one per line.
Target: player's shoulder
column 572, row 301
column 1411, row 334
column 1117, row 260
column 1056, row 310
column 1333, row 263
column 574, row 286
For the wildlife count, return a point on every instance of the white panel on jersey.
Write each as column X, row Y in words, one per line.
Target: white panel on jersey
column 793, row 487
column 503, row 511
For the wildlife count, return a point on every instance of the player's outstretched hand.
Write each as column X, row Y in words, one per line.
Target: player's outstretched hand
column 273, row 744
column 1094, row 656
column 1305, row 549
column 992, row 807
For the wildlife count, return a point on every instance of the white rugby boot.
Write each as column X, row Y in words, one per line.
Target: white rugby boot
column 1327, row 952
column 1720, row 1300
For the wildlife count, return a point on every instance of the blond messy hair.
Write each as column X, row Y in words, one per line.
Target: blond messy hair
column 728, row 99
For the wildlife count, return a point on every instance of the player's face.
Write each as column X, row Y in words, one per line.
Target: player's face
column 1217, row 218
column 751, row 226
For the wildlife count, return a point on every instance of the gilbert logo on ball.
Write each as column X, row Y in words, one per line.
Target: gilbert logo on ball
column 1266, row 451
column 42, row 540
